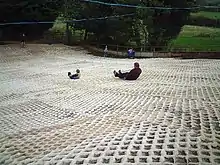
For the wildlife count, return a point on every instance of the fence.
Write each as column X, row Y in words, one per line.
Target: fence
column 77, row 38
column 119, row 49
column 149, row 54
column 189, row 44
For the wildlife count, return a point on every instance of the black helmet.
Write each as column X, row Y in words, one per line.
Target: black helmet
column 77, row 71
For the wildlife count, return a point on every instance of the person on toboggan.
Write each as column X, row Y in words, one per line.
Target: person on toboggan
column 132, row 75
column 74, row 76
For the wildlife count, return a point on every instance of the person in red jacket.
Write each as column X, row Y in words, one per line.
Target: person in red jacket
column 132, row 75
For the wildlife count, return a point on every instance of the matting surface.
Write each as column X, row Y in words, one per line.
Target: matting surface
column 170, row 115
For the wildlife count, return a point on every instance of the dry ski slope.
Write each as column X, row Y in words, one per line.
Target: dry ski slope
column 170, row 115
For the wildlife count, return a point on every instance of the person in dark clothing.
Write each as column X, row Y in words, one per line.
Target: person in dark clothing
column 132, row 75
column 23, row 40
column 74, row 76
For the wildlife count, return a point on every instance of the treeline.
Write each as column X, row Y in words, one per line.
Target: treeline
column 26, row 11
column 146, row 27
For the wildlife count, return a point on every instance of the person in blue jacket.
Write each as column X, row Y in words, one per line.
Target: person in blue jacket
column 131, row 53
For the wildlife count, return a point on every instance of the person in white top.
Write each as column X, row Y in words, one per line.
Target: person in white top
column 105, row 51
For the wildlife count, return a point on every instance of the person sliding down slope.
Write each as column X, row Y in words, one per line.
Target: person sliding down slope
column 132, row 75
column 74, row 76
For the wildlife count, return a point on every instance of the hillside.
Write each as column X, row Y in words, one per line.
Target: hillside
column 212, row 2
column 206, row 14
column 197, row 38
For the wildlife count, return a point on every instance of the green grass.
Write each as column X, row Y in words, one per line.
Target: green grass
column 206, row 14
column 197, row 38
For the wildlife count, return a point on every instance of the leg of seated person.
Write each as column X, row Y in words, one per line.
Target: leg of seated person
column 116, row 73
column 74, row 76
column 122, row 75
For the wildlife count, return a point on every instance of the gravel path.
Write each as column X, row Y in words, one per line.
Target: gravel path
column 170, row 115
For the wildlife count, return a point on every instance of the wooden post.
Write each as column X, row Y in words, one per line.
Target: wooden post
column 67, row 33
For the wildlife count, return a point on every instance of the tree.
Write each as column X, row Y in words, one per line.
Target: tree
column 157, row 26
column 117, row 30
column 163, row 25
column 88, row 11
column 28, row 11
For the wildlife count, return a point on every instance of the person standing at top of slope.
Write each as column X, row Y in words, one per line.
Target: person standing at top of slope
column 132, row 75
column 23, row 40
column 105, row 51
column 131, row 53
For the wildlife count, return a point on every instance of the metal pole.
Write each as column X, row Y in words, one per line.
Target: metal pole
column 65, row 8
column 67, row 24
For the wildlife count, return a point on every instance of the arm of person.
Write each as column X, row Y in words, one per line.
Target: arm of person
column 130, row 74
